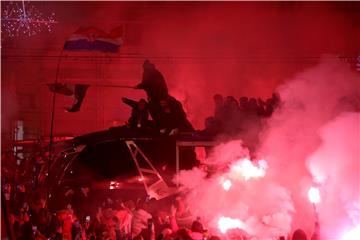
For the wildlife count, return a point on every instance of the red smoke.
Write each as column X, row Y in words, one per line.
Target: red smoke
column 313, row 138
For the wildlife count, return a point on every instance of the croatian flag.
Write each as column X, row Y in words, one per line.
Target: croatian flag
column 94, row 39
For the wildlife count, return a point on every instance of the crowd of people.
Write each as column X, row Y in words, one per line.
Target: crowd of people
column 111, row 219
column 232, row 117
column 30, row 216
column 241, row 119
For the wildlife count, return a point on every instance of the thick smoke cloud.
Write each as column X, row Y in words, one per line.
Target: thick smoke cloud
column 312, row 99
column 335, row 166
column 311, row 140
column 262, row 205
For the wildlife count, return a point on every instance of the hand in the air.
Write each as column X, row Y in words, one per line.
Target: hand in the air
column 173, row 211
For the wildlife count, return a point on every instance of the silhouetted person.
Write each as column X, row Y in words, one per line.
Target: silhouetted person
column 243, row 104
column 153, row 83
column 251, row 125
column 213, row 124
column 219, row 106
column 299, row 234
column 253, row 106
column 212, row 127
column 271, row 104
column 263, row 108
column 231, row 117
column 172, row 117
column 139, row 119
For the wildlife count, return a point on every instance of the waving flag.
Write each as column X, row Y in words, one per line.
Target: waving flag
column 94, row 39
column 76, row 91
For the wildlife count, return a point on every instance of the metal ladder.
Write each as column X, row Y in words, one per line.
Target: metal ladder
column 157, row 190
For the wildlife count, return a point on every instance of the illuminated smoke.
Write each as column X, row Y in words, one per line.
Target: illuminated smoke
column 226, row 223
column 247, row 170
column 335, row 166
column 314, row 195
column 226, row 184
column 312, row 139
column 353, row 234
column 244, row 169
column 245, row 198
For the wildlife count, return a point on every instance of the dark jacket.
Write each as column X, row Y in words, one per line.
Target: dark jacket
column 139, row 119
column 175, row 118
column 153, row 84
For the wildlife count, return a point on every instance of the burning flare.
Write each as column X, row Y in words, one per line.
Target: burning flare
column 226, row 223
column 247, row 169
column 226, row 184
column 314, row 195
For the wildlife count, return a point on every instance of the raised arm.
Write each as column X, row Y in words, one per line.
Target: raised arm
column 130, row 102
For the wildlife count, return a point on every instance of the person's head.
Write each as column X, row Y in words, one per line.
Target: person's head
column 75, row 229
column 162, row 216
column 243, row 102
column 142, row 104
column 142, row 204
column 214, row 238
column 299, row 234
column 180, row 204
column 164, row 104
column 166, row 232
column 275, row 96
column 197, row 227
column 276, row 100
column 218, row 99
column 108, row 213
column 231, row 103
column 269, row 102
column 130, row 204
column 183, row 234
column 27, row 231
column 209, row 121
column 138, row 237
column 25, row 206
column 253, row 106
column 148, row 65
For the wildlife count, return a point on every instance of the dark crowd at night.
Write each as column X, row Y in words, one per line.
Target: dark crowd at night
column 180, row 120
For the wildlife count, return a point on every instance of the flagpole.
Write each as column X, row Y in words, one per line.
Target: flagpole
column 113, row 86
column 51, row 143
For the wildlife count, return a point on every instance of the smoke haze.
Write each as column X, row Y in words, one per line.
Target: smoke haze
column 311, row 140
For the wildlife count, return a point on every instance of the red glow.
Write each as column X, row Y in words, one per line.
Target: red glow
column 246, row 169
column 353, row 234
column 114, row 185
column 314, row 195
column 226, row 184
column 226, row 223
